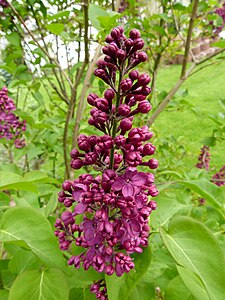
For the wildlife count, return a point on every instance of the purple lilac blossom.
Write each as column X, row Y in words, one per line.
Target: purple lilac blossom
column 220, row 11
column 115, row 204
column 204, row 158
column 219, row 177
column 10, row 126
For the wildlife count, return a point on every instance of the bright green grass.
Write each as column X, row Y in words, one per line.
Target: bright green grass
column 205, row 89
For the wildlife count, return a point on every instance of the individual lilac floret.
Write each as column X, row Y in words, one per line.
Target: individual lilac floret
column 204, row 158
column 10, row 126
column 107, row 215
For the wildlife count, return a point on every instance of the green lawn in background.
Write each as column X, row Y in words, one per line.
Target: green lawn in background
column 205, row 88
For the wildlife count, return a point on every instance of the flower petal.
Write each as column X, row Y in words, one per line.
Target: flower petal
column 139, row 179
column 80, row 208
column 127, row 190
column 118, row 184
column 89, row 234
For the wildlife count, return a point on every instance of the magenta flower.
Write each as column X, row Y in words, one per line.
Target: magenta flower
column 107, row 215
column 10, row 126
column 130, row 183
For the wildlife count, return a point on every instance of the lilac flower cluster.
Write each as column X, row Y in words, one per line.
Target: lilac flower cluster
column 220, row 11
column 10, row 126
column 114, row 205
column 219, row 177
column 204, row 158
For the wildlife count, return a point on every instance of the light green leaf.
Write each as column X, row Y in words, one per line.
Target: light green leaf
column 55, row 28
column 194, row 247
column 166, row 209
column 4, row 294
column 207, row 190
column 38, row 176
column 14, row 181
column 193, row 283
column 27, row 227
column 51, row 205
column 59, row 15
column 44, row 285
column 119, row 288
column 23, row 260
column 96, row 11
column 177, row 290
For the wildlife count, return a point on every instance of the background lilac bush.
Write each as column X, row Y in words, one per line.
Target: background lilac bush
column 87, row 168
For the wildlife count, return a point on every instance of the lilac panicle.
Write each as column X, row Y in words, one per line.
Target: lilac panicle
column 219, row 177
column 204, row 158
column 10, row 126
column 114, row 205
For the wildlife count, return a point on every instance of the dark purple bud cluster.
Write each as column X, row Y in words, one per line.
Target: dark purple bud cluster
column 204, row 158
column 10, row 126
column 114, row 205
column 219, row 177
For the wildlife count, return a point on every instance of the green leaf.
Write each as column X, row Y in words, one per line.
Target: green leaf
column 39, row 176
column 220, row 44
column 195, row 248
column 23, row 260
column 177, row 290
column 51, row 205
column 14, row 181
column 193, row 282
column 166, row 209
column 27, row 227
column 34, row 285
column 96, row 11
column 4, row 294
column 14, row 39
column 121, row 287
column 59, row 15
column 55, row 28
column 207, row 190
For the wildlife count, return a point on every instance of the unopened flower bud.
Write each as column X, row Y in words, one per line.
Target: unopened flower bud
column 134, row 34
column 148, row 149
column 121, row 54
column 120, row 140
column 91, row 99
column 74, row 153
column 142, row 56
column 133, row 75
column 101, row 104
column 76, row 163
column 124, row 110
column 153, row 163
column 144, row 107
column 126, row 124
column 126, row 85
column 143, row 79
